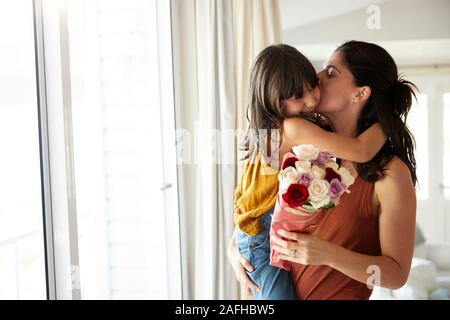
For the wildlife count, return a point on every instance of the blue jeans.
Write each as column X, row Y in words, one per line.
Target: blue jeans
column 274, row 283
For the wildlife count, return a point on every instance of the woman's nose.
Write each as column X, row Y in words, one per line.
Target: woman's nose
column 321, row 75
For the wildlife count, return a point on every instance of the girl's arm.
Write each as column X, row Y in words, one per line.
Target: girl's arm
column 360, row 149
column 397, row 219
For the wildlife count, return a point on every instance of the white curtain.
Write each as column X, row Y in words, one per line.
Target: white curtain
column 211, row 65
column 257, row 24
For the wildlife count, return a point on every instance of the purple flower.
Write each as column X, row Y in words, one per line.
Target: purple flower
column 323, row 157
column 316, row 163
column 336, row 189
column 305, row 179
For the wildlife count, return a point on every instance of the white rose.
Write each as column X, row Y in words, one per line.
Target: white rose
column 317, row 173
column 303, row 166
column 319, row 193
column 288, row 176
column 306, row 152
column 333, row 165
column 346, row 177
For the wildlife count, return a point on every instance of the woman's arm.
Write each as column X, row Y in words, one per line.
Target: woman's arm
column 396, row 195
column 360, row 149
column 397, row 221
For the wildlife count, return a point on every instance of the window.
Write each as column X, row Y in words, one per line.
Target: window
column 97, row 164
column 22, row 259
column 117, row 146
column 446, row 151
column 418, row 124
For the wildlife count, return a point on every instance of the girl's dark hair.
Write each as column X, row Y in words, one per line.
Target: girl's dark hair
column 389, row 104
column 279, row 72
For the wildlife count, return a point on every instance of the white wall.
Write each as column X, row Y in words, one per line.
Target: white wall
column 297, row 13
column 400, row 20
column 414, row 32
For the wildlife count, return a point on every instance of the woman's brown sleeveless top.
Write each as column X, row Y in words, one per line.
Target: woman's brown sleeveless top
column 352, row 225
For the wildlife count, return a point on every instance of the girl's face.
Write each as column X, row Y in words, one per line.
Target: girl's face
column 306, row 104
column 337, row 85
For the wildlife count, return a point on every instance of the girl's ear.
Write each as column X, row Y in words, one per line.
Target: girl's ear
column 362, row 94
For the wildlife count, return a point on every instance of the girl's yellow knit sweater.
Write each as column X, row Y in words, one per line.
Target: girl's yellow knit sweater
column 255, row 194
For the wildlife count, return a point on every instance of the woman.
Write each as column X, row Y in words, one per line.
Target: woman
column 283, row 86
column 369, row 238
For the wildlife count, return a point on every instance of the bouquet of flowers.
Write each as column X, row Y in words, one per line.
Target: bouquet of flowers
column 310, row 182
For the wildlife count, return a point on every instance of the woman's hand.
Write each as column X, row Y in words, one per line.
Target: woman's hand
column 240, row 264
column 304, row 248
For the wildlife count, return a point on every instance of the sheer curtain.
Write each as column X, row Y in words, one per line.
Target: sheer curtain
column 257, row 24
column 214, row 44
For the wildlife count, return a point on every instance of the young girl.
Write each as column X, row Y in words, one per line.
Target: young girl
column 284, row 91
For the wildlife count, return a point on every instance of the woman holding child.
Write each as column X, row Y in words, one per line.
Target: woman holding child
column 368, row 239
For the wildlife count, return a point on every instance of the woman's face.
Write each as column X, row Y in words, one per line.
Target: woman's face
column 306, row 104
column 337, row 85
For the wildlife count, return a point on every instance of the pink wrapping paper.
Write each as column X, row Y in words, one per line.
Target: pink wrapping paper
column 304, row 222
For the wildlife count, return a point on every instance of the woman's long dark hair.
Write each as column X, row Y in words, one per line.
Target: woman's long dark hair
column 389, row 104
column 279, row 72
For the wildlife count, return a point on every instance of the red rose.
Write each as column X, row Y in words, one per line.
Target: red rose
column 296, row 195
column 330, row 174
column 289, row 162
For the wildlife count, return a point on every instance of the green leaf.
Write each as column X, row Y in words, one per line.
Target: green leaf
column 330, row 205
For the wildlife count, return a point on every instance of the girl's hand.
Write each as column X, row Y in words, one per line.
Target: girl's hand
column 240, row 264
column 306, row 249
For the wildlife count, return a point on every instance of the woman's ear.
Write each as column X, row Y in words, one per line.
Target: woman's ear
column 362, row 94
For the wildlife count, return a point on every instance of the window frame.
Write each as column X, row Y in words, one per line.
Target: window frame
column 56, row 149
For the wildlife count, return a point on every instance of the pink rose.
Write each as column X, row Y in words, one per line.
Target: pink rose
column 323, row 157
column 305, row 179
column 336, row 189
